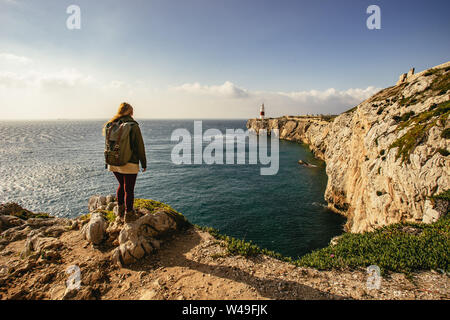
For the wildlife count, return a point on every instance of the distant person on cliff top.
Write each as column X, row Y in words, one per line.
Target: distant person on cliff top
column 124, row 149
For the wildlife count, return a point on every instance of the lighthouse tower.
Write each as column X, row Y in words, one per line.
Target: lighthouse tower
column 261, row 112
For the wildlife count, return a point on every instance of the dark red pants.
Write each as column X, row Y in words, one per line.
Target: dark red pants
column 125, row 191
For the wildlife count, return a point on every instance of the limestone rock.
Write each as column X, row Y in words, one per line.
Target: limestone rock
column 37, row 242
column 110, row 198
column 137, row 238
column 431, row 213
column 306, row 164
column 10, row 221
column 148, row 295
column 94, row 230
column 98, row 202
column 367, row 181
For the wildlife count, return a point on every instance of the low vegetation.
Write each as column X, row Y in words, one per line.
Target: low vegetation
column 148, row 204
column 443, row 152
column 446, row 133
column 241, row 247
column 403, row 247
column 443, row 196
column 153, row 205
column 419, row 125
column 14, row 209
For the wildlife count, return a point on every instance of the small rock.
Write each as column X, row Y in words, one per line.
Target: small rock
column 148, row 295
column 57, row 292
column 94, row 231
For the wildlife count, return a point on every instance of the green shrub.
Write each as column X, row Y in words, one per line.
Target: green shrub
column 420, row 125
column 14, row 209
column 446, row 133
column 153, row 205
column 402, row 247
column 392, row 248
column 241, row 247
column 443, row 196
column 432, row 107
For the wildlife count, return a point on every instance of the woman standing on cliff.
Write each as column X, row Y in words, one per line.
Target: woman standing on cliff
column 126, row 174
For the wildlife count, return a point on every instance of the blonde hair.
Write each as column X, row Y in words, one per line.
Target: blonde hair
column 124, row 110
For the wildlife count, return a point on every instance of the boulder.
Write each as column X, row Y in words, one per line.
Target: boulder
column 94, row 230
column 110, row 206
column 98, row 202
column 433, row 210
column 110, row 198
column 306, row 164
column 37, row 242
column 10, row 222
column 137, row 238
column 102, row 200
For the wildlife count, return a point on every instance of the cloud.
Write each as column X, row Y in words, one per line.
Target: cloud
column 226, row 90
column 12, row 58
column 22, row 83
column 65, row 78
column 346, row 97
column 294, row 102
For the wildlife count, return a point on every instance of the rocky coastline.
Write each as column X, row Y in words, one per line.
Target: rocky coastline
column 161, row 256
column 387, row 162
column 385, row 158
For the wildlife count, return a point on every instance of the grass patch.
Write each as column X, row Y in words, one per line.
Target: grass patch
column 420, row 126
column 407, row 101
column 14, row 209
column 446, row 133
column 243, row 248
column 153, row 205
column 443, row 196
column 402, row 247
column 393, row 248
column 441, row 83
column 108, row 215
column 430, row 72
column 404, row 117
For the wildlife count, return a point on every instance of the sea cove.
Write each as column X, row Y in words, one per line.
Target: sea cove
column 283, row 212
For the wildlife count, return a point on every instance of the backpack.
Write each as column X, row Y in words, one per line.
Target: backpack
column 117, row 143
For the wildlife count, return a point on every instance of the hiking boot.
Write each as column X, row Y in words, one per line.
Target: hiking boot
column 120, row 212
column 130, row 216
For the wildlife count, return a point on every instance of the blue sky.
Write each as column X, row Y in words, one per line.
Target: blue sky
column 209, row 58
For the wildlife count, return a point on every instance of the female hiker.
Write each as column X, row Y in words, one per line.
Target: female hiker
column 124, row 149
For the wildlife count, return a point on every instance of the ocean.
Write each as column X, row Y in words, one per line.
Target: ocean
column 55, row 166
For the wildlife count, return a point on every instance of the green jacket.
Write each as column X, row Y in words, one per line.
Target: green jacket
column 136, row 143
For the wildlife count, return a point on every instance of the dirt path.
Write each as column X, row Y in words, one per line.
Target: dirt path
column 193, row 265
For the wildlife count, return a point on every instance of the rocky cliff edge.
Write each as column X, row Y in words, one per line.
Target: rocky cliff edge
column 387, row 157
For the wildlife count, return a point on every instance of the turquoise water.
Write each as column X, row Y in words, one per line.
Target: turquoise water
column 55, row 166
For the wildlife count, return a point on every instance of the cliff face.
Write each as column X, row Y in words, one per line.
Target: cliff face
column 387, row 156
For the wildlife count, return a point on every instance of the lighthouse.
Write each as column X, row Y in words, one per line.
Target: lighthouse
column 261, row 112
